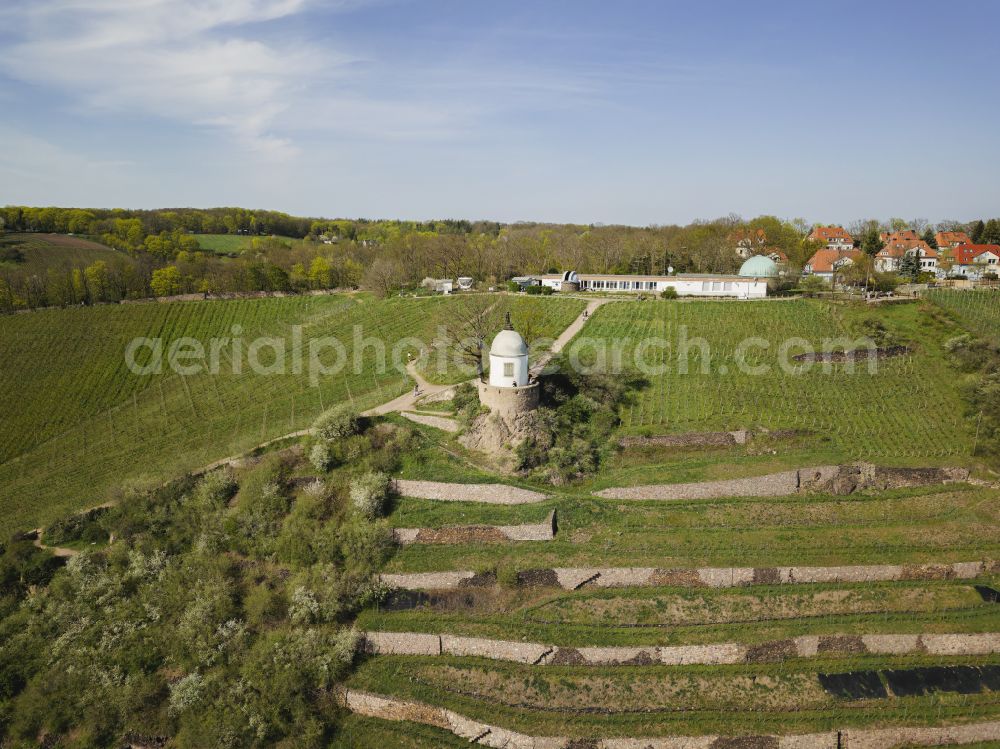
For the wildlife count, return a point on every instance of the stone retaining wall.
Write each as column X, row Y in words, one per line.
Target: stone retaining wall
column 690, row 439
column 497, row 494
column 573, row 578
column 484, row 734
column 807, row 646
column 470, row 534
column 839, row 480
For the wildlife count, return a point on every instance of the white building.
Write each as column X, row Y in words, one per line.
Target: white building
column 686, row 284
column 508, row 358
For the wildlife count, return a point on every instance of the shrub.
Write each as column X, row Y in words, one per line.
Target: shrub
column 369, row 494
column 513, row 287
column 669, row 293
column 337, row 423
column 812, row 285
column 321, row 457
column 215, row 489
column 534, row 290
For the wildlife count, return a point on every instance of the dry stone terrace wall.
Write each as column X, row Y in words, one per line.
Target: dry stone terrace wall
column 468, row 534
column 838, row 480
column 573, row 578
column 497, row 494
column 484, row 734
column 808, row 646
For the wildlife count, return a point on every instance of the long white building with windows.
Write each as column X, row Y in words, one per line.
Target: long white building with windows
column 751, row 283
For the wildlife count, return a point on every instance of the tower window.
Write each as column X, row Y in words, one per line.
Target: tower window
column 508, row 369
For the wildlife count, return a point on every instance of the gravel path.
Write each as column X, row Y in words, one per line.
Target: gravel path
column 770, row 485
column 567, row 335
column 438, row 422
column 494, row 494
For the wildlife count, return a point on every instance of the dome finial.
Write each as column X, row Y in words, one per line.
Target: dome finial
column 507, row 323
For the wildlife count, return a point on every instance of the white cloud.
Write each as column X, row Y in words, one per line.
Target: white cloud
column 198, row 62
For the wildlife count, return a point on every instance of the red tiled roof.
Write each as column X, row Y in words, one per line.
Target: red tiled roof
column 900, row 248
column 826, row 233
column 945, row 238
column 967, row 253
column 822, row 261
column 903, row 235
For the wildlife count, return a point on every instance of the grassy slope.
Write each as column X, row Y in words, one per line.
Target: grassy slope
column 44, row 251
column 83, row 426
column 226, row 243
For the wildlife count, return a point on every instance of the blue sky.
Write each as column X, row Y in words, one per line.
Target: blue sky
column 631, row 112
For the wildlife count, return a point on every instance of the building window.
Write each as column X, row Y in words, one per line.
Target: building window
column 508, row 369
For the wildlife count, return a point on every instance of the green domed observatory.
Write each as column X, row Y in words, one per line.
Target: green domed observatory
column 759, row 266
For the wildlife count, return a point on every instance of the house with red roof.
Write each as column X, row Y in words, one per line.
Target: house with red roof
column 827, row 262
column 901, row 235
column 947, row 240
column 749, row 242
column 973, row 260
column 834, row 237
column 888, row 259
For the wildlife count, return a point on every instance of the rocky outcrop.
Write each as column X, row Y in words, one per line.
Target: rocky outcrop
column 497, row 435
column 862, row 476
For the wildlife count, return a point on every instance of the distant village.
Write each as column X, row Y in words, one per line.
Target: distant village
column 955, row 261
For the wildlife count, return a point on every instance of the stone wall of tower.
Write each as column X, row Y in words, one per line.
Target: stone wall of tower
column 509, row 402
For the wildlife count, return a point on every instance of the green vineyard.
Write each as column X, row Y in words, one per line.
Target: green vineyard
column 908, row 408
column 78, row 422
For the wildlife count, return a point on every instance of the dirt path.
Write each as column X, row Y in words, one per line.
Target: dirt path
column 567, row 335
column 408, row 401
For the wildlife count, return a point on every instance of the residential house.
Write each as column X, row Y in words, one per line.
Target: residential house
column 749, row 242
column 973, row 260
column 827, row 262
column 902, row 235
column 780, row 258
column 834, row 237
column 949, row 240
column 888, row 259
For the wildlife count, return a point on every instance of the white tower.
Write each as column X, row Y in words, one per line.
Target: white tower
column 508, row 358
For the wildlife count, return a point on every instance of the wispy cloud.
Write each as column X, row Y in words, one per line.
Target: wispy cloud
column 197, row 62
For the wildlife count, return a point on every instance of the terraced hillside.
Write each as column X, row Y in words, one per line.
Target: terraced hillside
column 76, row 421
column 866, row 619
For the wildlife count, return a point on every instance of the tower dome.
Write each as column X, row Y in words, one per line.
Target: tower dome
column 508, row 358
column 759, row 266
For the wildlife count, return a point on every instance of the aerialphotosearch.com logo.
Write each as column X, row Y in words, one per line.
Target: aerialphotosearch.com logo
column 327, row 356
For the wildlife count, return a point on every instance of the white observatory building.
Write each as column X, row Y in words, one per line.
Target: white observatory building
column 508, row 390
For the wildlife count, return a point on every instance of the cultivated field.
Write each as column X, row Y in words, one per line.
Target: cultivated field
column 78, row 422
column 978, row 310
column 908, row 409
column 44, row 251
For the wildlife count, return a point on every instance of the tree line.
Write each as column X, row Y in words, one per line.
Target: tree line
column 160, row 253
